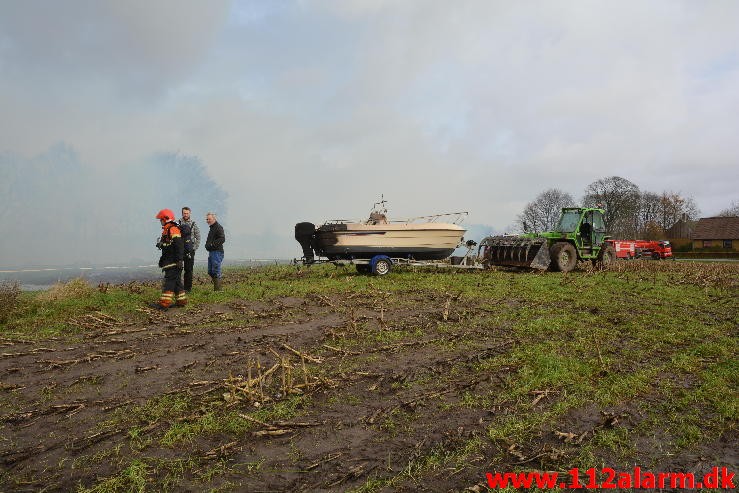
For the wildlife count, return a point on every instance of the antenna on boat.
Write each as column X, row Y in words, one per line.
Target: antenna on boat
column 381, row 203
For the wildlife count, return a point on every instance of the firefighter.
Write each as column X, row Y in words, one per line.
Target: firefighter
column 171, row 262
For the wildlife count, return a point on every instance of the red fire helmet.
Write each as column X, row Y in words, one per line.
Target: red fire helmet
column 166, row 214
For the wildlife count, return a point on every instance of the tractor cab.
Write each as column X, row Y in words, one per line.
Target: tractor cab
column 592, row 231
column 569, row 220
column 585, row 228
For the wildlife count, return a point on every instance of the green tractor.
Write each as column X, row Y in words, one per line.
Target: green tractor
column 580, row 234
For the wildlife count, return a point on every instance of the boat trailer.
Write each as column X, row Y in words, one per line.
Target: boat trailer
column 380, row 265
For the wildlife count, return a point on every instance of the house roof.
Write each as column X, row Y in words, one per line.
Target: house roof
column 717, row 228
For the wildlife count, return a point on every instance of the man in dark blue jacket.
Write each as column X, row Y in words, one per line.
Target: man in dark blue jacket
column 214, row 245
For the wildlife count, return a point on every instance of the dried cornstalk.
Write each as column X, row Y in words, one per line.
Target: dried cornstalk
column 342, row 351
column 282, row 376
column 200, row 383
column 260, row 379
column 289, row 374
column 248, row 377
column 245, row 385
column 220, row 451
column 233, row 387
column 302, row 355
column 329, row 458
column 271, row 433
column 255, row 420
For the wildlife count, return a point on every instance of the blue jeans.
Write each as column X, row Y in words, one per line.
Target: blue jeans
column 214, row 264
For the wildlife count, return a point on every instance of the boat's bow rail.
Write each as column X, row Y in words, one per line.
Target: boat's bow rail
column 449, row 217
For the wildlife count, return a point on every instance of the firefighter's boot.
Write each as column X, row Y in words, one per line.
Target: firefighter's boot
column 180, row 300
column 165, row 301
column 158, row 306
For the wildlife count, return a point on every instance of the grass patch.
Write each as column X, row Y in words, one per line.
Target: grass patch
column 74, row 288
column 133, row 478
column 10, row 293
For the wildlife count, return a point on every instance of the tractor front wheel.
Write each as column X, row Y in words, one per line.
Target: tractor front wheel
column 564, row 257
column 607, row 256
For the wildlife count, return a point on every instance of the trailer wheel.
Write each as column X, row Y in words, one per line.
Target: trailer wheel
column 382, row 267
column 564, row 257
column 363, row 268
column 655, row 256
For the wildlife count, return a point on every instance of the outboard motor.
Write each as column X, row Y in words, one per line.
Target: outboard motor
column 304, row 233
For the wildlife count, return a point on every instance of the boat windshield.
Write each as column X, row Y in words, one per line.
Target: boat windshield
column 568, row 222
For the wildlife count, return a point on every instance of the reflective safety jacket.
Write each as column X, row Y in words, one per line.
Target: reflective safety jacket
column 173, row 248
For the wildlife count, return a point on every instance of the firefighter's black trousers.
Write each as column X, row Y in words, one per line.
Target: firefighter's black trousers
column 173, row 280
column 172, row 289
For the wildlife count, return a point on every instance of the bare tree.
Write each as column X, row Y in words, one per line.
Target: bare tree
column 673, row 207
column 659, row 212
column 732, row 210
column 543, row 212
column 649, row 206
column 620, row 198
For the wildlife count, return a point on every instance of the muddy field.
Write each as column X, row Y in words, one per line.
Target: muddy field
column 330, row 381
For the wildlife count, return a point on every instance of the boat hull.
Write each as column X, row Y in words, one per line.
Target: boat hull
column 428, row 241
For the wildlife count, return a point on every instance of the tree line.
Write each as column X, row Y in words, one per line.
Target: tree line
column 629, row 211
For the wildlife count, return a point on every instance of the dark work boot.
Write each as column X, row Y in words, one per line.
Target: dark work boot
column 217, row 284
column 158, row 306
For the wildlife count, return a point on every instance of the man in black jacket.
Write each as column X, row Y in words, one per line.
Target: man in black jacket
column 191, row 238
column 214, row 245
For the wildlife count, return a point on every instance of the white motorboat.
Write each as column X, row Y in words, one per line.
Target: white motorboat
column 419, row 238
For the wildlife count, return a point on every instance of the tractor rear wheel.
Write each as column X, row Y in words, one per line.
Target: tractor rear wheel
column 564, row 257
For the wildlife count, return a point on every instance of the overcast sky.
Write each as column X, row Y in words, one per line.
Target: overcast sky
column 309, row 110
